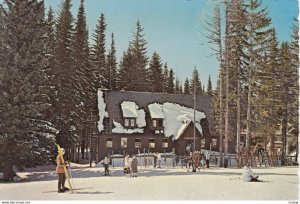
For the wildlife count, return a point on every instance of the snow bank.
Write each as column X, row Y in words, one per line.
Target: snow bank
column 101, row 108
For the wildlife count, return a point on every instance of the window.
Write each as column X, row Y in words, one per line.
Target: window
column 130, row 122
column 154, row 122
column 123, row 142
column 157, row 123
column 138, row 143
column 126, row 122
column 214, row 143
column 165, row 143
column 109, row 142
column 151, row 143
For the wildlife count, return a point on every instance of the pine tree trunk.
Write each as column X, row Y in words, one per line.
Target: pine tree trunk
column 8, row 173
column 226, row 84
column 284, row 135
column 238, row 125
column 221, row 118
column 248, row 114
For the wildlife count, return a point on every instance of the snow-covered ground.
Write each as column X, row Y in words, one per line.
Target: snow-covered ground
column 281, row 183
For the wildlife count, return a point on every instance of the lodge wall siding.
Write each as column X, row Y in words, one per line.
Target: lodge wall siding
column 130, row 149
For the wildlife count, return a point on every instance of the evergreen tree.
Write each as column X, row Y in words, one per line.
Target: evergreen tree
column 26, row 137
column 268, row 74
column 294, row 113
column 50, row 46
column 180, row 88
column 186, row 89
column 195, row 82
column 98, row 51
column 165, row 78
column 112, row 66
column 288, row 90
column 215, row 38
column 209, row 91
column 155, row 76
column 64, row 105
column 258, row 34
column 171, row 86
column 138, row 51
column 126, row 72
column 177, row 86
column 85, row 97
column 233, row 71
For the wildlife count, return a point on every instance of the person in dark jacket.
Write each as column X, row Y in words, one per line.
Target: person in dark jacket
column 134, row 165
column 155, row 159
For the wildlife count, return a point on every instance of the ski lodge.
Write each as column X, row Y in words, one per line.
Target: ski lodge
column 146, row 122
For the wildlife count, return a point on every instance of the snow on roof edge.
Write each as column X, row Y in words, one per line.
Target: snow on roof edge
column 101, row 110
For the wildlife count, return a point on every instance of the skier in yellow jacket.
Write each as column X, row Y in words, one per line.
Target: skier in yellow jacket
column 61, row 173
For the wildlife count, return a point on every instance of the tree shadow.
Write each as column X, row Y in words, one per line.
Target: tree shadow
column 95, row 192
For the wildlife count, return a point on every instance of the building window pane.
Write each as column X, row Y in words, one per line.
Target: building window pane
column 123, row 142
column 151, row 143
column 126, row 122
column 214, row 143
column 138, row 143
column 132, row 122
column 165, row 143
column 109, row 142
column 160, row 123
column 154, row 122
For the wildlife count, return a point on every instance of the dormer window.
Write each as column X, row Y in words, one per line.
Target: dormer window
column 130, row 114
column 130, row 122
column 154, row 122
column 157, row 123
column 157, row 117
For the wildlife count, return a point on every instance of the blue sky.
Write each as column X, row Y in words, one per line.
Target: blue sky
column 172, row 28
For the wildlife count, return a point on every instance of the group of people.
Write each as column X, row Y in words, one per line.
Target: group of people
column 204, row 160
column 131, row 169
column 130, row 166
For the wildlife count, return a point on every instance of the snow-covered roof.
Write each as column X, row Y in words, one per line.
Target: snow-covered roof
column 181, row 129
column 120, row 129
column 176, row 117
column 155, row 110
column 129, row 109
column 173, row 110
column 102, row 112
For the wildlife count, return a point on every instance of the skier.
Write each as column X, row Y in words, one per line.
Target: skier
column 174, row 159
column 126, row 165
column 207, row 158
column 134, row 164
column 105, row 163
column 155, row 158
column 61, row 173
column 248, row 175
column 159, row 159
